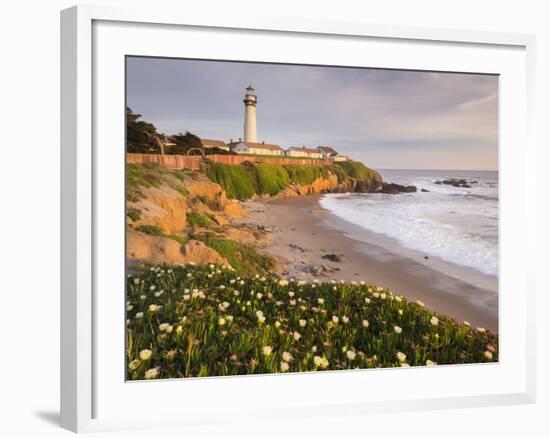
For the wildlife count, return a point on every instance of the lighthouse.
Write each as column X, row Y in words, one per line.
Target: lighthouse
column 250, row 100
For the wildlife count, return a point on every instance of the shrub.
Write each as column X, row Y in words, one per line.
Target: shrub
column 244, row 258
column 196, row 219
column 233, row 179
column 133, row 214
column 151, row 230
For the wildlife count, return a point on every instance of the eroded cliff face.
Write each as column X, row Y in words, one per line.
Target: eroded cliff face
column 158, row 229
column 332, row 185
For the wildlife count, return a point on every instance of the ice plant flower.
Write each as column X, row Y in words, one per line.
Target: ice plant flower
column 151, row 373
column 480, row 329
column 434, row 320
column 221, row 321
column 284, row 366
column 134, row 364
column 267, row 350
column 153, row 308
column 430, row 363
column 350, row 354
column 345, row 319
column 296, row 336
column 467, row 323
column 303, row 323
column 287, row 357
column 397, row 329
column 335, row 319
column 139, row 315
column 145, row 354
column 365, row 323
column 401, row 356
column 420, row 303
column 488, row 354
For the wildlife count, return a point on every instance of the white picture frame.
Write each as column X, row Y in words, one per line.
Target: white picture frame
column 84, row 179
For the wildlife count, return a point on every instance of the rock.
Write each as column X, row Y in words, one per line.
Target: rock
column 395, row 189
column 424, row 190
column 456, row 182
column 332, row 257
column 426, row 257
column 299, row 248
column 234, row 210
column 159, row 249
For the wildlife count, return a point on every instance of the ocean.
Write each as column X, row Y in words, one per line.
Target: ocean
column 455, row 225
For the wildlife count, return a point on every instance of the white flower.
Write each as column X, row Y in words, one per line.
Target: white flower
column 236, row 293
column 277, row 324
column 400, row 311
column 136, row 280
column 314, row 348
column 431, row 363
column 397, row 329
column 365, row 323
column 164, row 327
column 335, row 319
column 303, row 323
column 375, row 294
column 320, row 300
column 292, row 302
column 134, row 364
column 320, row 362
column 405, row 365
column 261, row 319
column 284, row 367
column 367, row 300
column 139, row 315
column 379, row 289
column 229, row 318
column 283, row 282
column 179, row 330
column 142, row 297
column 291, row 294
column 152, row 287
column 287, row 357
column 186, row 297
column 296, row 336
column 434, row 320
column 259, row 295
column 480, row 329
column 383, row 296
column 159, row 293
column 267, row 350
column 467, row 323
column 398, row 299
column 350, row 354
column 153, row 308
column 221, row 321
column 345, row 319
column 145, row 354
column 401, row 356
column 129, row 308
column 488, row 354
column 152, row 373
column 420, row 303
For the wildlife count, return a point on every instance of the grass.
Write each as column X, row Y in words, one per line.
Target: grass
column 196, row 219
column 152, row 175
column 243, row 182
column 150, row 230
column 189, row 321
column 244, row 258
column 133, row 214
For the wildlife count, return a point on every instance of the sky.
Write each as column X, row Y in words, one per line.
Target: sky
column 388, row 119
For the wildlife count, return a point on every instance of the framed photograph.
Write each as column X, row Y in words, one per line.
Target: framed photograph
column 265, row 218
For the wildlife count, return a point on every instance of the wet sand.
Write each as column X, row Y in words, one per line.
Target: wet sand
column 303, row 232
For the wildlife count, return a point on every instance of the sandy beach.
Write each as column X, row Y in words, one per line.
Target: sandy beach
column 303, row 232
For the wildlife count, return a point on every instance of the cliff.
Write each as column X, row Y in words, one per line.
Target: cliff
column 182, row 216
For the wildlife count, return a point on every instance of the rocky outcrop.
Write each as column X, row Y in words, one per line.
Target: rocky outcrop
column 332, row 185
column 456, row 182
column 160, row 249
column 395, row 189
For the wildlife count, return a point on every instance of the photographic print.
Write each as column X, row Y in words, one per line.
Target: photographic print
column 287, row 218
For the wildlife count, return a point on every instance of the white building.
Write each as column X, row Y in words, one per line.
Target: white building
column 246, row 147
column 250, row 101
column 303, row 152
column 327, row 152
column 340, row 158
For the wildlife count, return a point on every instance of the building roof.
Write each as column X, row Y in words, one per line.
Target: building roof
column 210, row 143
column 303, row 149
column 269, row 147
column 326, row 149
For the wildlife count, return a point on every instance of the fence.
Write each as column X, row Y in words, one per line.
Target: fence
column 194, row 161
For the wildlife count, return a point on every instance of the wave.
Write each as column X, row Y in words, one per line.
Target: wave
column 454, row 227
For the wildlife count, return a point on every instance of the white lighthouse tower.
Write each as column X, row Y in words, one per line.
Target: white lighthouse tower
column 250, row 101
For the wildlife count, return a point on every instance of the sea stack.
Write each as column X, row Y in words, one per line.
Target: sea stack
column 250, row 100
